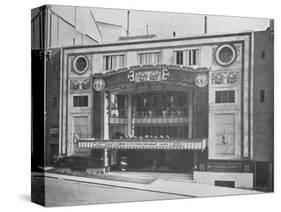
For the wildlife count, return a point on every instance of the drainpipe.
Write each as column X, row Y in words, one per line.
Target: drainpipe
column 128, row 23
column 205, row 24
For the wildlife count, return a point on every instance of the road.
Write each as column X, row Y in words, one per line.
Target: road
column 66, row 193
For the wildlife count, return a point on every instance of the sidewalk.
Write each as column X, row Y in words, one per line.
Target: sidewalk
column 159, row 185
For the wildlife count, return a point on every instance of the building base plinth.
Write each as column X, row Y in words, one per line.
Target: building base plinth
column 230, row 179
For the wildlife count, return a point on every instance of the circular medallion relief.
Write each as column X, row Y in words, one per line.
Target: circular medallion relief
column 201, row 80
column 80, row 64
column 225, row 55
column 99, row 84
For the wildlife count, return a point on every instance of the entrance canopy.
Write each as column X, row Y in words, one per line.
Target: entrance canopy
column 152, row 144
column 138, row 78
column 149, row 107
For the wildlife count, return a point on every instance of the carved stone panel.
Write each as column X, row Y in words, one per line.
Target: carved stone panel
column 225, row 134
column 80, row 84
column 226, row 77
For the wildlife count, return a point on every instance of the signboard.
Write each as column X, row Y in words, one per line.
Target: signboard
column 192, row 145
column 224, row 167
column 148, row 76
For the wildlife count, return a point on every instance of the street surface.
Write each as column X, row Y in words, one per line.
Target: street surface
column 66, row 193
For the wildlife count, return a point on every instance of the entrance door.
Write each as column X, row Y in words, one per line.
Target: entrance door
column 158, row 160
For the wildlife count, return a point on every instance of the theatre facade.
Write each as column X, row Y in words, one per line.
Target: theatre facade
column 201, row 105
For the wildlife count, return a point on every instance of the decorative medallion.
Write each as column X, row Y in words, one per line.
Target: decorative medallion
column 225, row 55
column 201, row 80
column 99, row 84
column 80, row 64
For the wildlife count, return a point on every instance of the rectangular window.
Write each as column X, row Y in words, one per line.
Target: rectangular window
column 225, row 96
column 179, row 57
column 188, row 57
column 262, row 95
column 55, row 103
column 54, row 131
column 113, row 62
column 193, row 57
column 118, row 105
column 149, row 58
column 80, row 101
column 263, row 54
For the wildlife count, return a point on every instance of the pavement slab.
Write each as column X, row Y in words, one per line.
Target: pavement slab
column 160, row 185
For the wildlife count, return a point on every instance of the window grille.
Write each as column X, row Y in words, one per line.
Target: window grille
column 149, row 58
column 227, row 96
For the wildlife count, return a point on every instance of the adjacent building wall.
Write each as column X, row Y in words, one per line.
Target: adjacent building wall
column 110, row 32
column 53, row 97
column 263, row 111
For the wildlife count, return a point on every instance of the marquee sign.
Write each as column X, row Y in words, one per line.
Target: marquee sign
column 164, row 74
column 195, row 144
column 144, row 76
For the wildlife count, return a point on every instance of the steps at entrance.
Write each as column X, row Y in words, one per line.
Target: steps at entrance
column 79, row 152
column 181, row 177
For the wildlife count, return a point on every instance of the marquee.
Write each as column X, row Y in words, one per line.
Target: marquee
column 153, row 144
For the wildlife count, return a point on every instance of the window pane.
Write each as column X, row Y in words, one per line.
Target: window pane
column 190, row 57
column 194, row 56
column 231, row 96
column 218, row 96
column 121, row 61
column 149, row 58
column 80, row 101
column 107, row 62
column 262, row 95
column 197, row 57
column 179, row 57
column 225, row 96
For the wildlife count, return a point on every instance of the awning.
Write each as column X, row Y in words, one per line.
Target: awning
column 152, row 144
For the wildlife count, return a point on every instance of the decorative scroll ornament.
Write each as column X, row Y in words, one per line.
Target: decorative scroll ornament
column 224, row 138
column 80, row 84
column 201, row 80
column 99, row 84
column 75, row 138
column 86, row 84
column 225, row 78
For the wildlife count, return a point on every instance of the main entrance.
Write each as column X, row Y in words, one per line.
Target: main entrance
column 158, row 160
column 153, row 119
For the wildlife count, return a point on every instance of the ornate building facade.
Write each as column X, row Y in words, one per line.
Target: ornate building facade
column 202, row 105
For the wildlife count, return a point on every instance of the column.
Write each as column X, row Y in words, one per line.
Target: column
column 106, row 97
column 195, row 160
column 190, row 115
column 129, row 114
column 105, row 161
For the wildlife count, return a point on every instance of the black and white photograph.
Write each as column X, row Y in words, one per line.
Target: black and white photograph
column 135, row 105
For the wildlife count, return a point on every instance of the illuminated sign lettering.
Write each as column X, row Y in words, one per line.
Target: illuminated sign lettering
column 147, row 76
